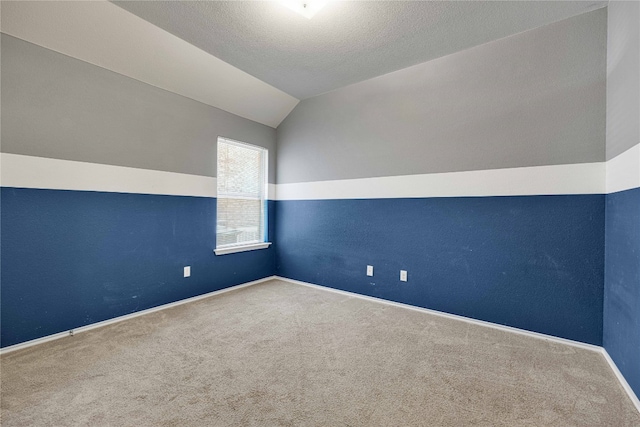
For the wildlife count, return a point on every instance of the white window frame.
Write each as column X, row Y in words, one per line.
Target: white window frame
column 254, row 245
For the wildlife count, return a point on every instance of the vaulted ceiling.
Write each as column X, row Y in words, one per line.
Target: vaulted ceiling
column 257, row 59
column 346, row 41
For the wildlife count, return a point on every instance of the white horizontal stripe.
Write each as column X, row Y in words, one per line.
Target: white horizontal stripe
column 103, row 34
column 623, row 171
column 582, row 178
column 619, row 173
column 40, row 172
column 271, row 191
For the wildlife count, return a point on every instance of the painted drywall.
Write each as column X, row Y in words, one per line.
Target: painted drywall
column 621, row 309
column 579, row 178
column 536, row 98
column 544, row 271
column 17, row 171
column 63, row 108
column 502, row 116
column 72, row 258
column 623, row 77
column 101, row 33
column 621, row 331
column 532, row 262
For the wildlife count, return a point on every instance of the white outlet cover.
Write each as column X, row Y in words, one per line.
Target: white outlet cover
column 403, row 275
column 187, row 271
column 369, row 270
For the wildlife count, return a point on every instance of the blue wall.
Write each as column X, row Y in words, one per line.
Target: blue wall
column 72, row 258
column 532, row 262
column 622, row 284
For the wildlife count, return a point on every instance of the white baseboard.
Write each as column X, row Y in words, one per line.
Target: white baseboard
column 81, row 329
column 545, row 337
column 451, row 316
column 614, row 368
column 621, row 378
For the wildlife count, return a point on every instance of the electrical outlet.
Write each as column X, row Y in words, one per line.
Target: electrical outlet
column 403, row 275
column 369, row 270
column 187, row 271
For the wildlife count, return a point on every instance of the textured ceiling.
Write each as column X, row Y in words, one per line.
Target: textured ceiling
column 100, row 33
column 346, row 42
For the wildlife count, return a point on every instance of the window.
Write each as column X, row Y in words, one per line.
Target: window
column 241, row 204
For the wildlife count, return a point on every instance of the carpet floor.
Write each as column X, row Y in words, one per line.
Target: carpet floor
column 280, row 354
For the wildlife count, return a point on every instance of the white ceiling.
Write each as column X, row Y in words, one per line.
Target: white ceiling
column 345, row 42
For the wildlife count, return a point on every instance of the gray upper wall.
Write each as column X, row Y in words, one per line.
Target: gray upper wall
column 623, row 77
column 59, row 107
column 535, row 98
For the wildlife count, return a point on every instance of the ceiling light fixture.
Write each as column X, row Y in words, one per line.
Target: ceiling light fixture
column 306, row 8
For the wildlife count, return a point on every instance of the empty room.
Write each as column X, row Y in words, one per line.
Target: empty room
column 320, row 213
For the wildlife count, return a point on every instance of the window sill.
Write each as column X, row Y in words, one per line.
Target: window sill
column 241, row 248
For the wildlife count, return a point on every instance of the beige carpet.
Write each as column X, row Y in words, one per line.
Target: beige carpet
column 278, row 354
